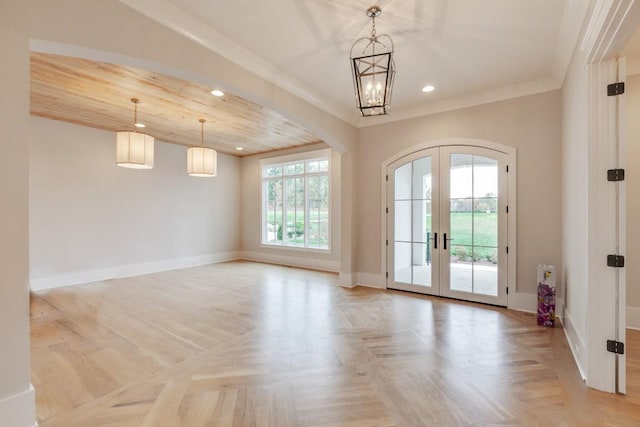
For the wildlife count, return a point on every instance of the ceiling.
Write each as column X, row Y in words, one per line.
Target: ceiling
column 471, row 51
column 97, row 94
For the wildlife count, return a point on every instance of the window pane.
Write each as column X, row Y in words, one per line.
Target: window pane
column 272, row 171
column 318, row 198
column 313, row 166
column 273, row 211
column 295, row 211
column 295, row 215
column 294, row 168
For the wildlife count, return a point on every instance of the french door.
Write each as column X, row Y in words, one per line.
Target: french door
column 447, row 223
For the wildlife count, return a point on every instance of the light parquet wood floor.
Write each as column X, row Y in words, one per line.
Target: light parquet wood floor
column 247, row 344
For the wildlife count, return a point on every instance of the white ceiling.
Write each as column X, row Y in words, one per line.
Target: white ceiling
column 472, row 51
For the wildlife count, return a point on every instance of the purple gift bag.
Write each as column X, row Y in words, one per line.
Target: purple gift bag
column 546, row 295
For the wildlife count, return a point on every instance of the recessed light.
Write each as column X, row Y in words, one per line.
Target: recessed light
column 239, row 148
column 217, row 92
column 140, row 125
column 428, row 88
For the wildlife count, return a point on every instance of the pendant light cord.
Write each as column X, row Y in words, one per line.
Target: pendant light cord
column 135, row 114
column 202, row 121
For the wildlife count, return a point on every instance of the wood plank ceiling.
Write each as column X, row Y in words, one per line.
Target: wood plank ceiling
column 98, row 95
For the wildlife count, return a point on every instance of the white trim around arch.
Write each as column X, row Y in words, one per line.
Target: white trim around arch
column 515, row 300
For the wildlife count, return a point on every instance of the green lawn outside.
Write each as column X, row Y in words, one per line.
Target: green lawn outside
column 467, row 229
column 477, row 229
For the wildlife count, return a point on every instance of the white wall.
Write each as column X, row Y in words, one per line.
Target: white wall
column 575, row 149
column 531, row 124
column 632, row 177
column 86, row 29
column 17, row 406
column 91, row 220
column 252, row 214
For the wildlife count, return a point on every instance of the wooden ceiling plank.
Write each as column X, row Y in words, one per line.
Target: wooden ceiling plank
column 97, row 94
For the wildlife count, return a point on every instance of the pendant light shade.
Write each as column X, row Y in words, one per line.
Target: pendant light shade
column 134, row 150
column 202, row 161
column 373, row 70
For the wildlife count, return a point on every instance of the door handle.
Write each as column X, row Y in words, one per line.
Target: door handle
column 445, row 240
column 435, row 240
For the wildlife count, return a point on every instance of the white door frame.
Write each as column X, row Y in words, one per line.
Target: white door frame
column 611, row 25
column 511, row 153
column 503, row 223
column 390, row 183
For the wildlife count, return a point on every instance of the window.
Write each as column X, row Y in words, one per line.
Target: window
column 295, row 200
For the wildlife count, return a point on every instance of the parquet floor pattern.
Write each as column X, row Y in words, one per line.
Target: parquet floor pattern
column 248, row 344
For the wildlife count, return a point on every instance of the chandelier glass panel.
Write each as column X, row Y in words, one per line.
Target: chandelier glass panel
column 373, row 70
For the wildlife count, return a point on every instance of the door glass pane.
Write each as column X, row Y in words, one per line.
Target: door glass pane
column 421, row 265
column 485, row 222
column 485, row 272
column 402, row 262
column 485, row 177
column 420, row 218
column 422, row 178
column 412, row 222
column 402, row 224
column 461, row 269
column 461, row 224
column 461, row 176
column 402, row 177
column 474, row 224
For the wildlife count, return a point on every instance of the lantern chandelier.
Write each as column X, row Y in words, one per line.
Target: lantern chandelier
column 134, row 150
column 373, row 69
column 202, row 161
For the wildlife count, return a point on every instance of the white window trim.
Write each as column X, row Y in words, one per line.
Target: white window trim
column 307, row 155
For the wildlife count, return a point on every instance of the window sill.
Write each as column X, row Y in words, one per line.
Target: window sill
column 297, row 249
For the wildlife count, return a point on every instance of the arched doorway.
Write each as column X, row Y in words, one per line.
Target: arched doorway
column 447, row 223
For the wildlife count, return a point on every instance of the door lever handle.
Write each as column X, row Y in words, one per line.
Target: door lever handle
column 445, row 240
column 435, row 240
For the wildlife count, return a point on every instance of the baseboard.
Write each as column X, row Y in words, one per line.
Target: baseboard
column 19, row 410
column 371, row 280
column 347, row 281
column 560, row 304
column 292, row 261
column 129, row 270
column 521, row 301
column 633, row 318
column 576, row 343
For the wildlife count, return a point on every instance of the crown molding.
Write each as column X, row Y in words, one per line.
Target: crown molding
column 480, row 98
column 186, row 25
column 610, row 26
column 573, row 20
